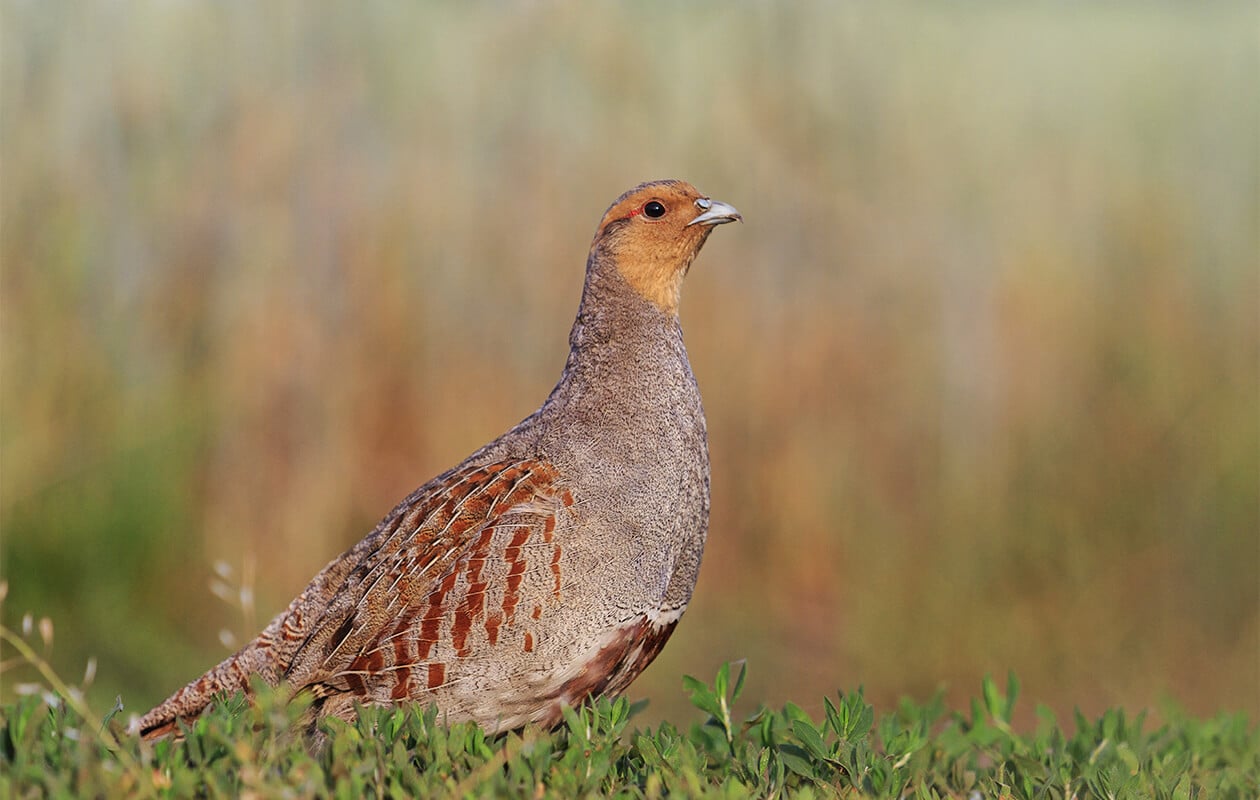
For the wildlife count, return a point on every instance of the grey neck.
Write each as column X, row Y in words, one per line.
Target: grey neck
column 627, row 359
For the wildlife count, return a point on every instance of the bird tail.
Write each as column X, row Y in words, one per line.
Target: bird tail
column 230, row 676
column 267, row 656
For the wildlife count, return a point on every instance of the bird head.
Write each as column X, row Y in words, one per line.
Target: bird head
column 653, row 232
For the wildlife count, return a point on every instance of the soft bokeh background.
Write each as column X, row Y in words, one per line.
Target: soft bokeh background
column 981, row 366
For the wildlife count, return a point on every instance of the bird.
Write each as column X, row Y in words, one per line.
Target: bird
column 550, row 566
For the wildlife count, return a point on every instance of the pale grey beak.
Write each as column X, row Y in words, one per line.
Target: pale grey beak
column 714, row 213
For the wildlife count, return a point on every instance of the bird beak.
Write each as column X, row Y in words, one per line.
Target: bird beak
column 714, row 213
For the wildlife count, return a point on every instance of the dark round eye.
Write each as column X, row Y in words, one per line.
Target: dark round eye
column 654, row 209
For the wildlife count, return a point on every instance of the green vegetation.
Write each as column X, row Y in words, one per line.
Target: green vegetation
column 47, row 749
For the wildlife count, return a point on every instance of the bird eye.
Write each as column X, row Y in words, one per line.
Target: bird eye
column 654, row 209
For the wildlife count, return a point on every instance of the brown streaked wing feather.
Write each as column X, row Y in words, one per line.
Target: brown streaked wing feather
column 384, row 620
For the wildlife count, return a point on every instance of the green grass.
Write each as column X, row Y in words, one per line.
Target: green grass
column 47, row 749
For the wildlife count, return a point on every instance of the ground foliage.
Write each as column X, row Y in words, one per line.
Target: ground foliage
column 47, row 749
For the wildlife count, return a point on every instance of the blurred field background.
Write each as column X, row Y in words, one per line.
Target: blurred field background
column 981, row 367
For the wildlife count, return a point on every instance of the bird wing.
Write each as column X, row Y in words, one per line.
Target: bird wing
column 443, row 577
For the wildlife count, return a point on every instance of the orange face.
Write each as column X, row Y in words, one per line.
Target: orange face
column 653, row 233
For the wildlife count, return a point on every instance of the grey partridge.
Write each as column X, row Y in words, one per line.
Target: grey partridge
column 552, row 564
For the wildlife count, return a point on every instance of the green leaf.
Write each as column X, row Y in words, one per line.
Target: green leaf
column 797, row 760
column 722, row 680
column 739, row 682
column 1012, row 693
column 702, row 697
column 992, row 697
column 808, row 735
